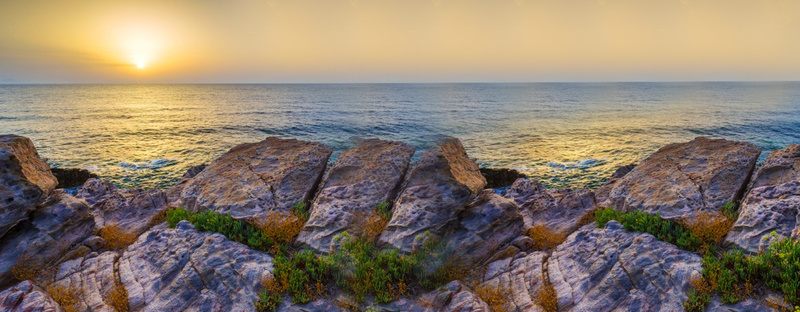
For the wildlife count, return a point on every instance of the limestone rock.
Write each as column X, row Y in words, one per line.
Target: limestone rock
column 780, row 167
column 25, row 180
column 443, row 182
column 183, row 269
column 26, row 297
column 174, row 192
column 747, row 305
column 130, row 209
column 60, row 223
column 522, row 276
column 362, row 178
column 559, row 209
column 490, row 223
column 602, row 192
column 254, row 178
column 611, row 269
column 683, row 178
column 454, row 297
column 72, row 177
column 94, row 275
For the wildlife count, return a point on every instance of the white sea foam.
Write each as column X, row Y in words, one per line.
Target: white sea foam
column 150, row 164
column 585, row 163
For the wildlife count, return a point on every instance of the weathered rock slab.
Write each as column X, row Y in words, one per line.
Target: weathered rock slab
column 130, row 209
column 59, row 224
column 559, row 209
column 360, row 179
column 182, row 269
column 611, row 269
column 772, row 204
column 486, row 226
column 94, row 276
column 25, row 180
column 253, row 179
column 683, row 178
column 522, row 276
column 443, row 182
column 72, row 177
column 27, row 297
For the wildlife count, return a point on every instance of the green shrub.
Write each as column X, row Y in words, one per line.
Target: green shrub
column 235, row 230
column 299, row 209
column 664, row 230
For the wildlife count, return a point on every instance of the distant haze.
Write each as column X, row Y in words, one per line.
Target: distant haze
column 203, row 41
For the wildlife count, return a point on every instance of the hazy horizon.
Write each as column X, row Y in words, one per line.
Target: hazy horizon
column 418, row 41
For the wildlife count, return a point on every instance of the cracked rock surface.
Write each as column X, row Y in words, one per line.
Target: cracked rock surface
column 182, row 269
column 360, row 179
column 25, row 180
column 27, row 297
column 522, row 276
column 558, row 209
column 443, row 182
column 254, row 178
column 130, row 209
column 610, row 269
column 683, row 178
column 772, row 203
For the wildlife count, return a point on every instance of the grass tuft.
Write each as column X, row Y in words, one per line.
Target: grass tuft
column 544, row 238
column 117, row 298
column 115, row 238
column 546, row 297
column 495, row 297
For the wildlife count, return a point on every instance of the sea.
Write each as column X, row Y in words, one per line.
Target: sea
column 563, row 134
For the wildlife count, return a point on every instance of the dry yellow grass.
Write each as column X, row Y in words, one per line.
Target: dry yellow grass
column 27, row 269
column 368, row 225
column 281, row 227
column 587, row 217
column 115, row 238
column 158, row 218
column 117, row 298
column 547, row 297
column 67, row 298
column 710, row 226
column 544, row 238
column 496, row 297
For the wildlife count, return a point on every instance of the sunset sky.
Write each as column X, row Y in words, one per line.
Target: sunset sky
column 277, row 41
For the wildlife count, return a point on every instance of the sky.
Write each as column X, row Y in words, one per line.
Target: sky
column 342, row 41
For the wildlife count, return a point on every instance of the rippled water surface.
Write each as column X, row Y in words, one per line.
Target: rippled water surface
column 564, row 134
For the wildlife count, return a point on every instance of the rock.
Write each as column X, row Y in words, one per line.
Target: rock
column 684, row 178
column 601, row 194
column 522, row 277
column 130, row 209
column 443, row 182
column 58, row 225
column 611, row 269
column 454, row 297
column 27, row 297
column 500, row 177
column 183, row 269
column 487, row 225
column 255, row 178
column 559, row 210
column 174, row 192
column 72, row 177
column 25, row 180
column 772, row 203
column 780, row 167
column 362, row 178
column 95, row 276
column 747, row 305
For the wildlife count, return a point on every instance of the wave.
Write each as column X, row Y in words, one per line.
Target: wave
column 150, row 164
column 585, row 163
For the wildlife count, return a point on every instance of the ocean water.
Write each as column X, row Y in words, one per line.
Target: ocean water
column 564, row 134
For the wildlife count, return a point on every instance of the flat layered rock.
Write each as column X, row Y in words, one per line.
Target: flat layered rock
column 443, row 182
column 559, row 209
column 522, row 276
column 253, row 179
column 684, row 178
column 488, row 225
column 183, row 269
column 27, row 297
column 130, row 209
column 772, row 204
column 59, row 224
column 95, row 276
column 174, row 192
column 611, row 269
column 454, row 297
column 25, row 180
column 360, row 179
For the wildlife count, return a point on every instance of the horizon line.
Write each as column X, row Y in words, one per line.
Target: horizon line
column 386, row 82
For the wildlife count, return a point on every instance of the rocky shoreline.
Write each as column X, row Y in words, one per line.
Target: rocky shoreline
column 52, row 243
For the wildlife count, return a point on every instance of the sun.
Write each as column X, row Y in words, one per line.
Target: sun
column 140, row 65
